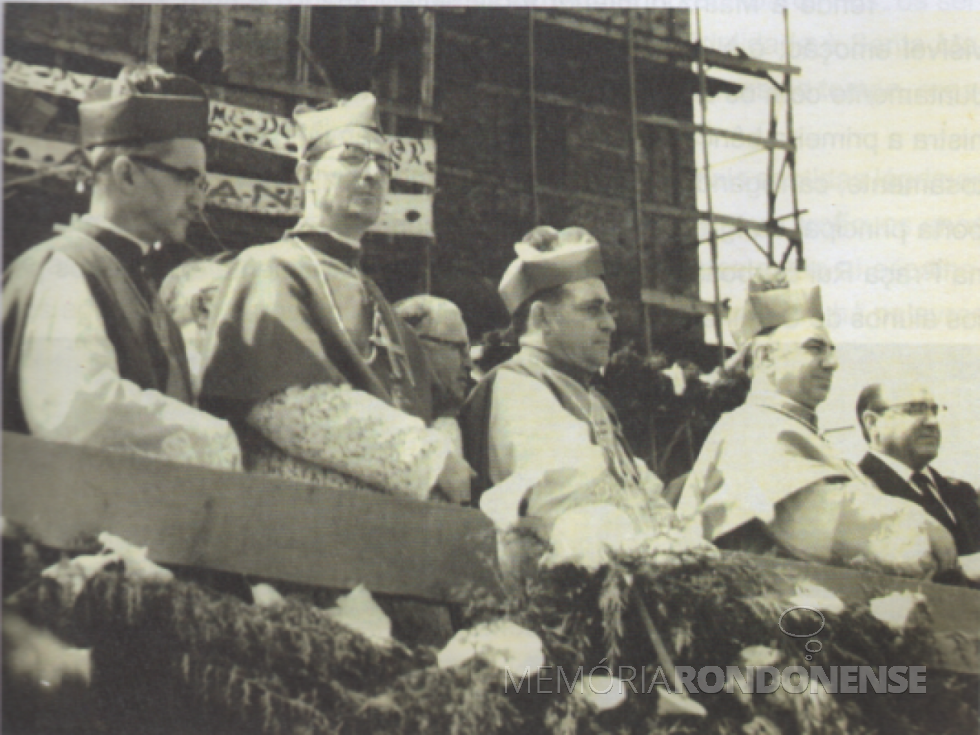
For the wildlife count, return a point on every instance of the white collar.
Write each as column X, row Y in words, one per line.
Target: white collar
column 102, row 222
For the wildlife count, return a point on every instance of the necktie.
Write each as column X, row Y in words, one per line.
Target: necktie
column 931, row 501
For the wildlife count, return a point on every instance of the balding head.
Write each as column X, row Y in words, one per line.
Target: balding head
column 439, row 324
column 901, row 420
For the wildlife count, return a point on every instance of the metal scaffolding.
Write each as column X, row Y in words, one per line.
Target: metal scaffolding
column 684, row 56
column 648, row 38
column 781, row 152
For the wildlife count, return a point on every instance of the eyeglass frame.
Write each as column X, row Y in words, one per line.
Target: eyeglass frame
column 932, row 409
column 187, row 176
column 384, row 162
column 463, row 348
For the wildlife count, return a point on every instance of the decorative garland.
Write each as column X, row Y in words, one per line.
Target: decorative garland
column 218, row 664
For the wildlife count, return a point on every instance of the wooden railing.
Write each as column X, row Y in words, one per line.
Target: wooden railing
column 316, row 535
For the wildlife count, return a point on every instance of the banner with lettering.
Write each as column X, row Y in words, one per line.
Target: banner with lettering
column 403, row 214
column 415, row 158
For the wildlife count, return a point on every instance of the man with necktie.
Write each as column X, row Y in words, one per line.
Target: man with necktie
column 900, row 422
column 766, row 481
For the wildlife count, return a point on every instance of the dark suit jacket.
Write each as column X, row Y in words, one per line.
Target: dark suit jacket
column 959, row 497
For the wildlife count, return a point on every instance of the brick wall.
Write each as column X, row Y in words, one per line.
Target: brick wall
column 484, row 202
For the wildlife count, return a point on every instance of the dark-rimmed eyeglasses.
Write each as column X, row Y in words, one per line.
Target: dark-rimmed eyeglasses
column 917, row 409
column 357, row 156
column 463, row 348
column 188, row 176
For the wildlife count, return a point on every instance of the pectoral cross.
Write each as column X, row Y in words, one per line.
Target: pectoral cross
column 380, row 337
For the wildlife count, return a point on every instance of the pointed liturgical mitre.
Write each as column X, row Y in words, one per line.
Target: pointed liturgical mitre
column 144, row 105
column 314, row 124
column 773, row 298
column 547, row 258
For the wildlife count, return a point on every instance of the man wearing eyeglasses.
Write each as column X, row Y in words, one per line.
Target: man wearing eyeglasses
column 765, row 480
column 439, row 325
column 306, row 357
column 91, row 357
column 900, row 422
column 538, row 415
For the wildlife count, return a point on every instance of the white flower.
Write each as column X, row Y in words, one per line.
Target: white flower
column 265, row 595
column 814, row 597
column 894, row 609
column 585, row 535
column 602, row 692
column 670, row 546
column 502, row 643
column 359, row 612
column 74, row 573
column 669, row 703
column 134, row 559
column 41, row 657
column 759, row 656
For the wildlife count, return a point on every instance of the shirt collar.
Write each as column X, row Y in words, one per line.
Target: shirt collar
column 902, row 469
column 782, row 404
column 105, row 224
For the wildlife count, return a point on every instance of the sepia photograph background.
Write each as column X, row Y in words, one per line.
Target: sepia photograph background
column 885, row 115
column 886, row 120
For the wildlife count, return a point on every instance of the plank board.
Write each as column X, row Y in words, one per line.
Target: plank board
column 311, row 534
column 955, row 610
column 244, row 523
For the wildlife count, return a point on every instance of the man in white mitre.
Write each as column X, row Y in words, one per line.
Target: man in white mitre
column 766, row 481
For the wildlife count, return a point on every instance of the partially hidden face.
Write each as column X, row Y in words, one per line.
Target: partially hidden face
column 906, row 425
column 350, row 179
column 802, row 361
column 448, row 347
column 579, row 328
column 171, row 199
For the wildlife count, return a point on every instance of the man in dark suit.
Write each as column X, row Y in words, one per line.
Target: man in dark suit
column 900, row 422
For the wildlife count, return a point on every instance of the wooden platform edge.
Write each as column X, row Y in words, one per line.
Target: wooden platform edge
column 278, row 529
column 251, row 524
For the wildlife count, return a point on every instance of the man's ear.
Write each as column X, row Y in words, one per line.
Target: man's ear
column 869, row 419
column 537, row 316
column 122, row 171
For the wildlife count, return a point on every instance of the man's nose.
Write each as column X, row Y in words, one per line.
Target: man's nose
column 372, row 170
column 830, row 360
column 608, row 322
